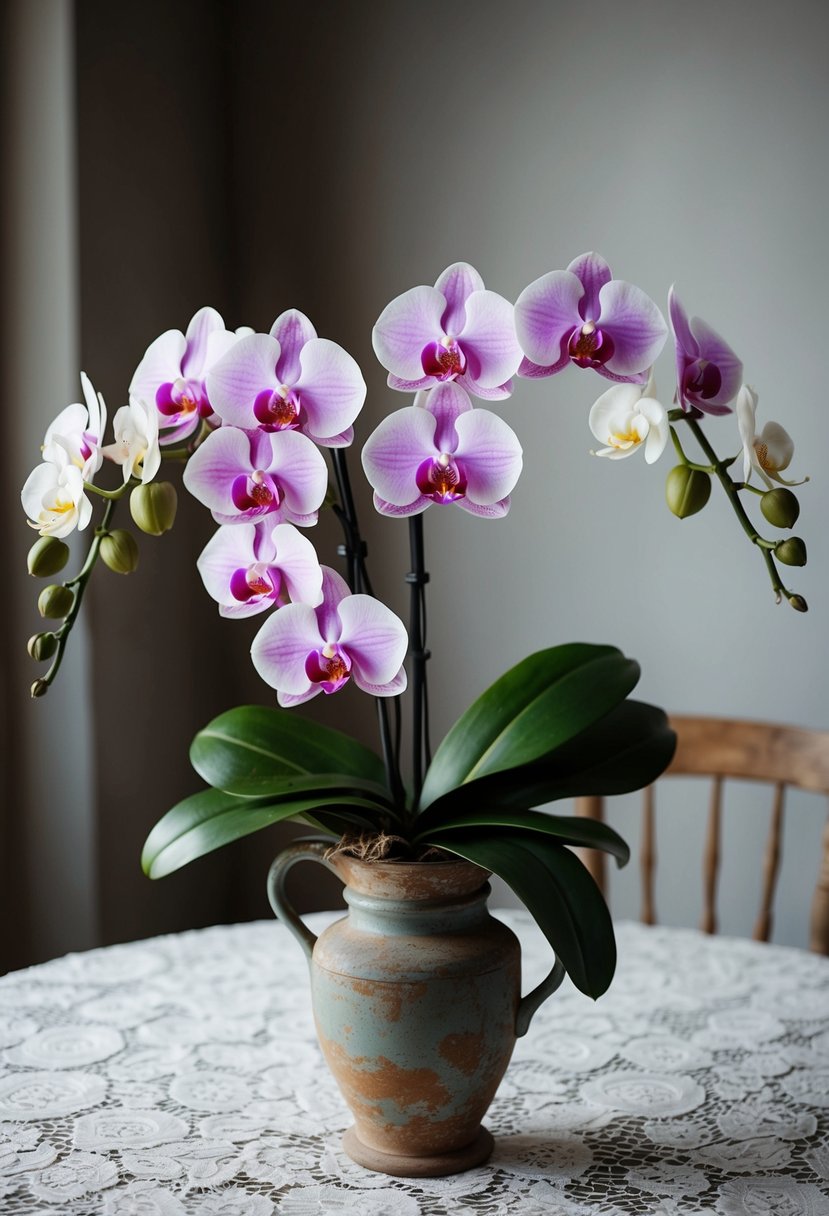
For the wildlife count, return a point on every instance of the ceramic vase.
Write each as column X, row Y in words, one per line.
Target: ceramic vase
column 417, row 1002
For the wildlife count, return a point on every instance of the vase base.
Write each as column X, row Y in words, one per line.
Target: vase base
column 435, row 1166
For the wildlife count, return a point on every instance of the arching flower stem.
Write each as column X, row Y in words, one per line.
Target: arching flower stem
column 732, row 488
column 79, row 583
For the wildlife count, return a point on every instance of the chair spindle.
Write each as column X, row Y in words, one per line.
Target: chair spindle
column 771, row 866
column 647, row 856
column 711, row 859
column 591, row 806
column 819, row 927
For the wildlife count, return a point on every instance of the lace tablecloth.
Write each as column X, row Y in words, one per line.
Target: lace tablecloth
column 181, row 1075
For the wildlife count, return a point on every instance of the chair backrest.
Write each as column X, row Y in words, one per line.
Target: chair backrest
column 723, row 748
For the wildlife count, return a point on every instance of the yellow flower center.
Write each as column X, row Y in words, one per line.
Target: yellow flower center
column 624, row 439
column 763, row 458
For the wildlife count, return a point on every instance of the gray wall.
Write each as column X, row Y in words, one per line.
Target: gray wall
column 687, row 144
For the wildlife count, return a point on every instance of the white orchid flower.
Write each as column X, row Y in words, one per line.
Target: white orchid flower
column 53, row 496
column 770, row 451
column 79, row 430
column 625, row 417
column 136, row 440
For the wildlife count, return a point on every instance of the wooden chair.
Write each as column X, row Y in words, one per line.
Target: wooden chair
column 723, row 748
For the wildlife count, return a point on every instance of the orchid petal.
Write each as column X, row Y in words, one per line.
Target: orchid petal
column 161, row 362
column 446, row 402
column 499, row 393
column 491, row 456
column 409, row 386
column 343, row 440
column 210, row 471
column 534, row 371
column 404, row 328
column 393, row 452
column 620, row 400
column 746, row 410
column 292, row 330
column 489, row 339
column 182, row 430
column 201, row 326
column 657, row 439
column 219, row 342
column 456, row 284
column 393, row 511
column 230, row 548
column 281, row 647
column 593, row 272
column 635, row 324
column 331, row 388
column 301, row 471
column 334, row 590
column 779, row 445
column 374, row 638
column 493, row 510
column 392, row 688
column 715, row 350
column 680, row 325
column 243, row 372
column 296, row 559
column 545, row 314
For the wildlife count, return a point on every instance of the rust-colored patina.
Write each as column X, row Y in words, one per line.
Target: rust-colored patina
column 417, row 1002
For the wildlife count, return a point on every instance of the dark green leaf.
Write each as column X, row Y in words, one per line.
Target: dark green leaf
column 557, row 890
column 626, row 750
column 534, row 708
column 564, row 829
column 245, row 750
column 207, row 820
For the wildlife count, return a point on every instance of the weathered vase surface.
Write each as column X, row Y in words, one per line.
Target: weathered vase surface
column 416, row 996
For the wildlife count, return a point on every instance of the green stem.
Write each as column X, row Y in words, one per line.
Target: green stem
column 119, row 493
column 720, row 471
column 79, row 583
column 689, row 464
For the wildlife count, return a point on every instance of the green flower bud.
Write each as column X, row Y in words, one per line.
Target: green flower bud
column 119, row 551
column 55, row 601
column 780, row 507
column 687, row 490
column 47, row 556
column 153, row 507
column 791, row 551
column 40, row 688
column 42, row 646
column 798, row 603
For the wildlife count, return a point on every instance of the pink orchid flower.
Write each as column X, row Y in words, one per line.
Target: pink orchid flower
column 248, row 568
column 708, row 373
column 454, row 331
column 242, row 476
column 172, row 373
column 289, row 379
column 303, row 650
column 441, row 450
column 582, row 315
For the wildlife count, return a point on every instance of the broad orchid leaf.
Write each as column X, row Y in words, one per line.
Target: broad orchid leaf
column 534, row 708
column 625, row 751
column 558, row 892
column 207, row 820
column 561, row 829
column 249, row 749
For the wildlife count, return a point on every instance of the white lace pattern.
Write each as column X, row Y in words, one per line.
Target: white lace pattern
column 181, row 1077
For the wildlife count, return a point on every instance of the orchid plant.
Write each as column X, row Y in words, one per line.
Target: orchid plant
column 251, row 416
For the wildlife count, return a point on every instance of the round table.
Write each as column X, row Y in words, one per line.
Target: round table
column 181, row 1075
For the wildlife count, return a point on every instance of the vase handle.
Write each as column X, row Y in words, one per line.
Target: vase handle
column 310, row 850
column 528, row 1004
